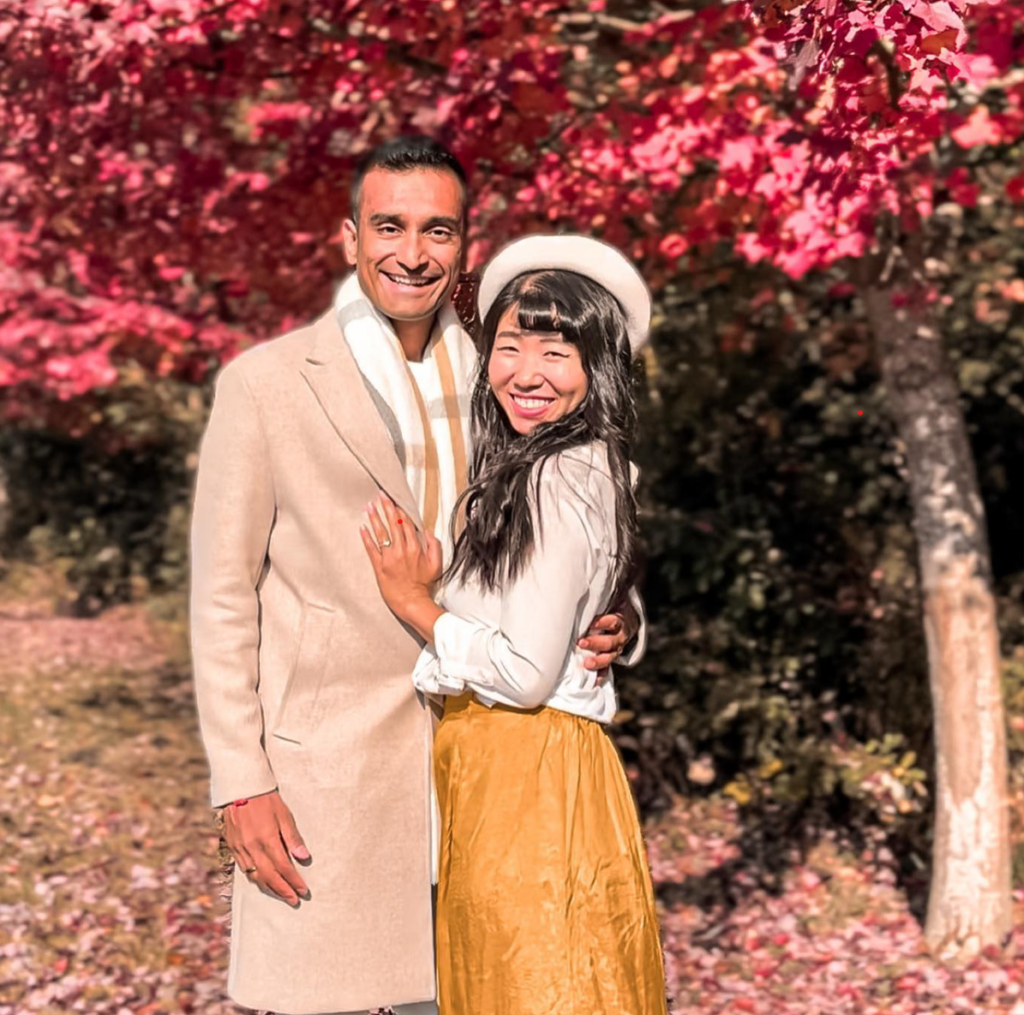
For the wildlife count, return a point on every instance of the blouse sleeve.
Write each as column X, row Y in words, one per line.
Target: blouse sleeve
column 520, row 661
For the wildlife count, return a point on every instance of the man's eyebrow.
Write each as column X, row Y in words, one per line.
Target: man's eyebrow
column 381, row 219
column 441, row 220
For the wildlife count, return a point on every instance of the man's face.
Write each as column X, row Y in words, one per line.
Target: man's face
column 407, row 244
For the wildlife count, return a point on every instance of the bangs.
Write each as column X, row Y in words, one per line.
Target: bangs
column 541, row 307
column 556, row 301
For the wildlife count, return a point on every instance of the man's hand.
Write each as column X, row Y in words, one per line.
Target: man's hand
column 262, row 837
column 608, row 636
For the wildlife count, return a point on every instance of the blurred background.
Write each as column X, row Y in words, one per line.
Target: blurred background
column 828, row 201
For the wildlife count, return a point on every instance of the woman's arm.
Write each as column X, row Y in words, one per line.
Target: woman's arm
column 520, row 660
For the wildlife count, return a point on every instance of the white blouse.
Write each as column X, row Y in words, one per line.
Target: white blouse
column 517, row 646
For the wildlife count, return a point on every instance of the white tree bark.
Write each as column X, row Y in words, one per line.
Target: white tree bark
column 970, row 905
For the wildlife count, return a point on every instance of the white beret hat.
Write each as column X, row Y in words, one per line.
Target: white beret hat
column 584, row 255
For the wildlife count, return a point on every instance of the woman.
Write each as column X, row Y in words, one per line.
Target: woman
column 544, row 899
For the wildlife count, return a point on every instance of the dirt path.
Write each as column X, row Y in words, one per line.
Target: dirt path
column 122, row 639
column 110, row 900
column 108, row 891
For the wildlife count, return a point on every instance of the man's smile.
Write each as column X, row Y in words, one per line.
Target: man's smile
column 410, row 281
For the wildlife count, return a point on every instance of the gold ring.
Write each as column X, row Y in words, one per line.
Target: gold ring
column 249, row 870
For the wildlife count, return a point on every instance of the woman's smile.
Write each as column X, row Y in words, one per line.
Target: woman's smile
column 536, row 376
column 530, row 406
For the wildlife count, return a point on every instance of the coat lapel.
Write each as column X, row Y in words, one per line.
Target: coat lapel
column 331, row 372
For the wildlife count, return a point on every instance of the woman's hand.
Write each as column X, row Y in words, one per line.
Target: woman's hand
column 406, row 564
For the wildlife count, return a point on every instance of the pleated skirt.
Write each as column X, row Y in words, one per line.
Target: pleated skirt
column 545, row 904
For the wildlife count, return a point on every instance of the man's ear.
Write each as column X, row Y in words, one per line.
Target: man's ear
column 349, row 240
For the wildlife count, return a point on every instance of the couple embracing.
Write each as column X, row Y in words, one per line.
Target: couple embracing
column 411, row 569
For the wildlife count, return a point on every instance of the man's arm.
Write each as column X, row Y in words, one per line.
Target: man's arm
column 231, row 524
column 617, row 637
column 636, row 628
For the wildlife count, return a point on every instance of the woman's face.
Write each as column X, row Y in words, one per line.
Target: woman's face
column 535, row 376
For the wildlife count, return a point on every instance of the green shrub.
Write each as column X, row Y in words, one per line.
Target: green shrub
column 109, row 509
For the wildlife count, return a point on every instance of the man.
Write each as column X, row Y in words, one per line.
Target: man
column 319, row 746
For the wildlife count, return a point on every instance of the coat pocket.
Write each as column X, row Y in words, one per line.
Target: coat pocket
column 298, row 712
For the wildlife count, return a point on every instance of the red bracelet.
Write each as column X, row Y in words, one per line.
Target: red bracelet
column 240, row 803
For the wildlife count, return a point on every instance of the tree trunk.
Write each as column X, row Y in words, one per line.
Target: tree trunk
column 969, row 906
column 5, row 508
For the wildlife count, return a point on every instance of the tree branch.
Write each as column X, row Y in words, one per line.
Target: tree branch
column 619, row 26
column 892, row 71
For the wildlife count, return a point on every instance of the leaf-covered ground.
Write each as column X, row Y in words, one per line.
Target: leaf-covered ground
column 110, row 900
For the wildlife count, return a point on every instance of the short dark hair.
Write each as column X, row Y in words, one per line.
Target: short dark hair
column 405, row 153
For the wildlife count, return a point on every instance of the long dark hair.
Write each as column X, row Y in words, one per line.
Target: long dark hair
column 499, row 538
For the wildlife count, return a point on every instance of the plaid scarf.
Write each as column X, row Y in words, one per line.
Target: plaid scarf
column 428, row 420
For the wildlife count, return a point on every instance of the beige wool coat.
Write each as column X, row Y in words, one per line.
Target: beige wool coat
column 302, row 679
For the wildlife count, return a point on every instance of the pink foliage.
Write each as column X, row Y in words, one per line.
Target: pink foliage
column 173, row 174
column 813, row 118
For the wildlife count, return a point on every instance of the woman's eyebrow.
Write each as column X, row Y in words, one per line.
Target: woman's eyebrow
column 545, row 336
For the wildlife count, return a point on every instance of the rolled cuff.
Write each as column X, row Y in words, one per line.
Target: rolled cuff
column 428, row 678
column 457, row 657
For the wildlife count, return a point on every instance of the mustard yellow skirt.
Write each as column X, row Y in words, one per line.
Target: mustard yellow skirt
column 545, row 904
